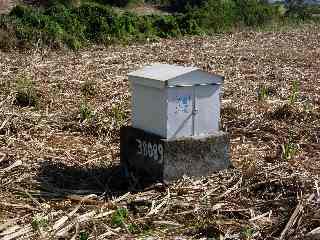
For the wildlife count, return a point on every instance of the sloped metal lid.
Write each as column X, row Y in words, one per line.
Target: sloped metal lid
column 165, row 75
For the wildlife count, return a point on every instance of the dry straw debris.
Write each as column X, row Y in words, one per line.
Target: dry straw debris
column 59, row 176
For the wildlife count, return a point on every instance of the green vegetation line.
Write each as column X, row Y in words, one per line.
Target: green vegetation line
column 76, row 25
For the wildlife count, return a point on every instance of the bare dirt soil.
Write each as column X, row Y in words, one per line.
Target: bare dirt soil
column 59, row 174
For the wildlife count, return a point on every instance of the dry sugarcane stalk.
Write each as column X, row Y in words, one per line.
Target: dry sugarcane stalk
column 9, row 230
column 33, row 199
column 14, row 165
column 294, row 218
column 61, row 221
column 80, row 219
column 247, row 59
column 169, row 223
column 18, row 206
column 48, row 187
column 5, row 122
column 156, row 209
column 103, row 214
column 56, row 226
column 3, row 155
column 261, row 216
column 25, row 230
column 235, row 187
column 314, row 234
column 6, row 225
column 106, row 234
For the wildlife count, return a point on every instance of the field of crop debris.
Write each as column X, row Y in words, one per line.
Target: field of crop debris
column 60, row 114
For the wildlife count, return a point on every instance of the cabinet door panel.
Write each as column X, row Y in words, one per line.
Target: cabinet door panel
column 180, row 118
column 207, row 105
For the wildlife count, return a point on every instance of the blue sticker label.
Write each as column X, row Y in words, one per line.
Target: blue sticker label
column 183, row 104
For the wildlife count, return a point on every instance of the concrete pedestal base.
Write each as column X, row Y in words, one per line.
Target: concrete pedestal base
column 151, row 157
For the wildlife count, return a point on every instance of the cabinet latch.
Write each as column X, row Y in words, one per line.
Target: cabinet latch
column 195, row 111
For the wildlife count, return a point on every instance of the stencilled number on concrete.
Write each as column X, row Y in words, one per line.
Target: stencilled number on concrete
column 150, row 150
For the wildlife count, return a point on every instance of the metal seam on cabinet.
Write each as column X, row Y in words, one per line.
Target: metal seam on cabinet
column 193, row 109
column 193, row 85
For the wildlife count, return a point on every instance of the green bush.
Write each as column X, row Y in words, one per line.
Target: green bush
column 217, row 15
column 86, row 111
column 8, row 39
column 120, row 3
column 72, row 42
column 83, row 236
column 295, row 89
column 26, row 94
column 95, row 20
column 146, row 26
column 223, row 15
column 159, row 2
column 40, row 222
column 296, row 10
column 63, row 24
column 189, row 23
column 254, row 12
column 55, row 26
column 185, row 5
column 34, row 26
column 167, row 26
column 119, row 217
column 67, row 19
column 66, row 3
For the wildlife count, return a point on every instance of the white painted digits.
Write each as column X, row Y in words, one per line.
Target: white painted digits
column 150, row 150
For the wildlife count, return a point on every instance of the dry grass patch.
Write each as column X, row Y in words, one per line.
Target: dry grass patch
column 59, row 173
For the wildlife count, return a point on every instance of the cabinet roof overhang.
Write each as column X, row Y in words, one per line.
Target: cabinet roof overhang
column 165, row 75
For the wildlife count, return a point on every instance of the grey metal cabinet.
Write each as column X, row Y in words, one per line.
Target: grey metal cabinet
column 174, row 101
